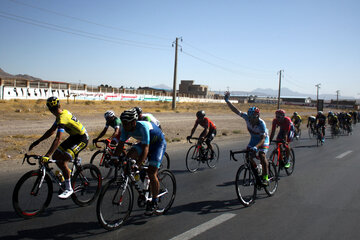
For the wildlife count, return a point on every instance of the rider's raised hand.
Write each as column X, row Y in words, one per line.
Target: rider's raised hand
column 226, row 96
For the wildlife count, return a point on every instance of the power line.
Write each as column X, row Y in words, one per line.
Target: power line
column 80, row 32
column 90, row 22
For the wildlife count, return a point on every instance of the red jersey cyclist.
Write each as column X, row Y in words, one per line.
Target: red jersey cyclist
column 208, row 133
column 286, row 132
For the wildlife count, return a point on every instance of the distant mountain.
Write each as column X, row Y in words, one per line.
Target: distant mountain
column 24, row 76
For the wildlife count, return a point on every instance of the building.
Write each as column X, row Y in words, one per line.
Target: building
column 187, row 87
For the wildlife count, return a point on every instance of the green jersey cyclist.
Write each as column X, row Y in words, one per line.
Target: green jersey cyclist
column 111, row 121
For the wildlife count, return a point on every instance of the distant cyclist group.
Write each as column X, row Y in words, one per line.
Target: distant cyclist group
column 138, row 139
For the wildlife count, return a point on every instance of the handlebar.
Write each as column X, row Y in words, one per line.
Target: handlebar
column 107, row 142
column 189, row 139
column 37, row 157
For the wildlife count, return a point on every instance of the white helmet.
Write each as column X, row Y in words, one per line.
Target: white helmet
column 109, row 114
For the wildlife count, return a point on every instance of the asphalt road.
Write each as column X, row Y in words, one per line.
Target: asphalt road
column 319, row 201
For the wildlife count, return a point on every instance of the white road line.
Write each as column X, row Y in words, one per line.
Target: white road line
column 204, row 227
column 344, row 154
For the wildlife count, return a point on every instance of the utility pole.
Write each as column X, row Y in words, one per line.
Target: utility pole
column 317, row 96
column 175, row 73
column 337, row 99
column 278, row 105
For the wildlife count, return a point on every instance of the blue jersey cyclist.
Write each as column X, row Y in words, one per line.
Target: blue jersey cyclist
column 259, row 141
column 152, row 145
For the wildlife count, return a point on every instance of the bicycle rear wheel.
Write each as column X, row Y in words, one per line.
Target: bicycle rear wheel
column 99, row 159
column 29, row 199
column 192, row 159
column 245, row 185
column 115, row 204
column 291, row 160
column 211, row 162
column 167, row 192
column 86, row 184
column 273, row 180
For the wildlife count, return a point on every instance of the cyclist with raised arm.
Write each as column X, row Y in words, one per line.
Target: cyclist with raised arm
column 147, row 117
column 259, row 141
column 296, row 119
column 286, row 132
column 68, row 149
column 112, row 121
column 152, row 143
column 207, row 134
column 320, row 124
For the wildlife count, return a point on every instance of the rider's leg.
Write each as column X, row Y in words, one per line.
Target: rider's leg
column 264, row 164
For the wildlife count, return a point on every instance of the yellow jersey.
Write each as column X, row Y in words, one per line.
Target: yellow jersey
column 68, row 122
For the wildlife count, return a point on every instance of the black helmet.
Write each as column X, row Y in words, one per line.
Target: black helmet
column 129, row 115
column 138, row 110
column 52, row 102
column 200, row 114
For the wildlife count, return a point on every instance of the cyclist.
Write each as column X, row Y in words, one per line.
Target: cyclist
column 147, row 117
column 152, row 143
column 333, row 122
column 347, row 122
column 320, row 124
column 259, row 141
column 311, row 123
column 286, row 132
column 68, row 149
column 296, row 119
column 208, row 133
column 114, row 122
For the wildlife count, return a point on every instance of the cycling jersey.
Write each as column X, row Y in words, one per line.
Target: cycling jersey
column 285, row 126
column 150, row 118
column 321, row 119
column 150, row 134
column 68, row 122
column 205, row 123
column 296, row 119
column 311, row 119
column 115, row 123
column 256, row 132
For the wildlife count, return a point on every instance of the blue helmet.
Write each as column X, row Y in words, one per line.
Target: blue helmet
column 253, row 112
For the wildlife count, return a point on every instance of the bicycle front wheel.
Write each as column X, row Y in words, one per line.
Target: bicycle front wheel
column 273, row 180
column 99, row 159
column 114, row 204
column 165, row 164
column 31, row 196
column 290, row 170
column 245, row 185
column 211, row 162
column 167, row 190
column 86, row 184
column 192, row 159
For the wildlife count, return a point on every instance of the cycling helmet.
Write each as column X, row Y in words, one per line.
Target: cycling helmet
column 295, row 113
column 280, row 113
column 129, row 115
column 138, row 110
column 200, row 114
column 52, row 102
column 320, row 113
column 109, row 114
column 253, row 112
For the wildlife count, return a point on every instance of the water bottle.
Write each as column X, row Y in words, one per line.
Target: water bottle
column 137, row 176
column 78, row 161
column 259, row 169
column 146, row 183
column 59, row 176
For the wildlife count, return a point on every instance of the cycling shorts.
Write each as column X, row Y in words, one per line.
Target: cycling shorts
column 211, row 134
column 156, row 152
column 290, row 137
column 74, row 144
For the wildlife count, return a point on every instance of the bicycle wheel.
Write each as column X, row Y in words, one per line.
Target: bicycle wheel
column 28, row 199
column 291, row 160
column 273, row 180
column 115, row 204
column 192, row 159
column 165, row 164
column 99, row 158
column 211, row 162
column 245, row 185
column 299, row 133
column 86, row 184
column 167, row 192
column 310, row 133
column 274, row 159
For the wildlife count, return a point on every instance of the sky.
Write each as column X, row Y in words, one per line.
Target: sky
column 238, row 45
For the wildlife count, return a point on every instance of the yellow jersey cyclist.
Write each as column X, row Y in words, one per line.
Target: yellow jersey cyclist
column 68, row 149
column 296, row 119
column 111, row 121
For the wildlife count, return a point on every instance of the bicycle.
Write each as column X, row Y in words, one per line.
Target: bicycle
column 102, row 158
column 198, row 154
column 248, row 181
column 278, row 156
column 116, row 199
column 311, row 131
column 34, row 190
column 334, row 131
